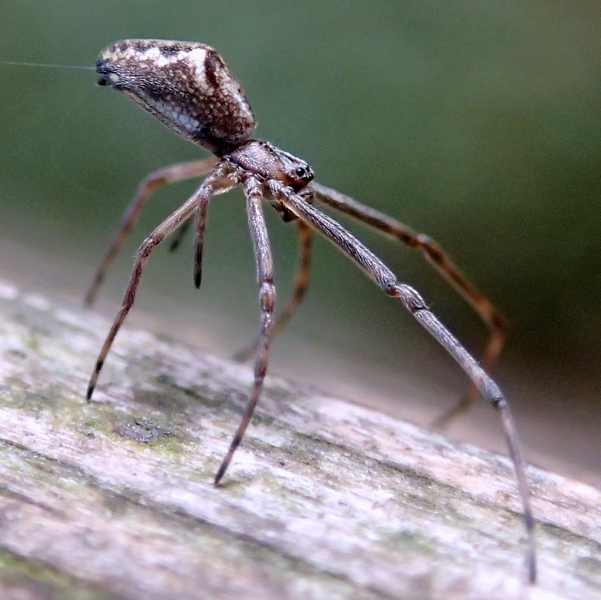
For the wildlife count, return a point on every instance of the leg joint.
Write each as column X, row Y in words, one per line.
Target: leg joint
column 409, row 297
column 267, row 296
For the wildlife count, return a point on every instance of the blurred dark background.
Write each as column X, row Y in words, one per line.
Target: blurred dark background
column 478, row 123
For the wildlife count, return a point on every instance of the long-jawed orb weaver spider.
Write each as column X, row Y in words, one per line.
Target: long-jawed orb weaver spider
column 190, row 89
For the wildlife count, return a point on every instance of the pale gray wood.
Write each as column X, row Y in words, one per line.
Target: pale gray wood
column 114, row 499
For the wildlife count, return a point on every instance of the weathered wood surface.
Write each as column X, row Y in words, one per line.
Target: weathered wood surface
column 114, row 499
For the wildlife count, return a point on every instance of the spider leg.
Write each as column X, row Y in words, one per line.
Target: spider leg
column 229, row 179
column 414, row 303
column 263, row 257
column 179, row 235
column 442, row 263
column 168, row 226
column 300, row 288
column 150, row 184
column 201, row 222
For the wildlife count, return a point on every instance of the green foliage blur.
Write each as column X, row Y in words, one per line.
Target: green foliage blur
column 478, row 123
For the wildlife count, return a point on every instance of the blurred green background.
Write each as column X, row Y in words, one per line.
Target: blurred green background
column 476, row 122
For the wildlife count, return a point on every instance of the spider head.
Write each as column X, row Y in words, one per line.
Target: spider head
column 187, row 86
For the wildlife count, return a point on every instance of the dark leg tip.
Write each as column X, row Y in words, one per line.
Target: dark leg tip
column 532, row 572
column 219, row 475
column 197, row 279
column 93, row 291
column 443, row 422
column 243, row 354
column 89, row 299
column 224, row 465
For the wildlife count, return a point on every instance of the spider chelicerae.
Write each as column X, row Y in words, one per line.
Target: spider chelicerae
column 190, row 89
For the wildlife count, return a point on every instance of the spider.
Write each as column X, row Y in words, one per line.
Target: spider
column 189, row 88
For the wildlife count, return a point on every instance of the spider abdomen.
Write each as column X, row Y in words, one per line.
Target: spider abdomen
column 187, row 86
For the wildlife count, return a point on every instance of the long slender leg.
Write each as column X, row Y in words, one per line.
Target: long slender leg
column 260, row 239
column 443, row 264
column 229, row 179
column 152, row 183
column 201, row 223
column 179, row 236
column 300, row 289
column 167, row 227
column 414, row 303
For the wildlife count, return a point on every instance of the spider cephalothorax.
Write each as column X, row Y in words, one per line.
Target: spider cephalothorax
column 190, row 89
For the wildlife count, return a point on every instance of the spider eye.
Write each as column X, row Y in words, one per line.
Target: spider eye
column 304, row 173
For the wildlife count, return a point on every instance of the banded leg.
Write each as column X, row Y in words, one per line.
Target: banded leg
column 262, row 249
column 168, row 226
column 151, row 184
column 300, row 289
column 414, row 303
column 443, row 264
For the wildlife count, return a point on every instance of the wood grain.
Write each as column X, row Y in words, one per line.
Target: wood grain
column 325, row 499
